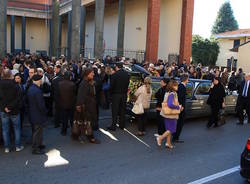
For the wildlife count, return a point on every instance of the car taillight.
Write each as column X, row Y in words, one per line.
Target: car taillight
column 248, row 145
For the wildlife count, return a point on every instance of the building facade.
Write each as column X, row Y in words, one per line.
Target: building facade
column 142, row 29
column 230, row 44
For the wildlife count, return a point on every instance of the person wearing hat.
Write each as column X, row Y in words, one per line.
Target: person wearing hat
column 216, row 100
column 119, row 89
column 37, row 113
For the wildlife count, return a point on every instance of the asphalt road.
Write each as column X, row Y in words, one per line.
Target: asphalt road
column 130, row 161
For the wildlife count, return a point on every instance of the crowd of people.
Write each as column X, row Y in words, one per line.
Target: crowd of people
column 34, row 88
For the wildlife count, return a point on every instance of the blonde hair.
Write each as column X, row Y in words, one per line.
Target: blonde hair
column 147, row 83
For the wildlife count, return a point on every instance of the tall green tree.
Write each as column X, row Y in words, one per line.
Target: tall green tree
column 204, row 51
column 225, row 20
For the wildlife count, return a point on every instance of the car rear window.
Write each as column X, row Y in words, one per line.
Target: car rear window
column 203, row 89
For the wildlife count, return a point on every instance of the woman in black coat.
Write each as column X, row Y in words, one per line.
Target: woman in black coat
column 86, row 100
column 159, row 95
column 216, row 100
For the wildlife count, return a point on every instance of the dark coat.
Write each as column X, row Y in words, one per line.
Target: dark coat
column 37, row 109
column 119, row 82
column 10, row 96
column 216, row 96
column 55, row 89
column 159, row 95
column 241, row 88
column 182, row 95
column 67, row 94
column 86, row 97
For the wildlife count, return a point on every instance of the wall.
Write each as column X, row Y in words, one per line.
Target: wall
column 243, row 58
column 37, row 35
column 170, row 28
column 136, row 25
column 18, row 33
column 225, row 53
column 64, row 32
column 8, row 34
column 135, row 18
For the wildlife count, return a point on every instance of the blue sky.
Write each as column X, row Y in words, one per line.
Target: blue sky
column 205, row 12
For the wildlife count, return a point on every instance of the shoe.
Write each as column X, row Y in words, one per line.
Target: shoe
column 111, row 128
column 140, row 134
column 216, row 125
column 38, row 152
column 178, row 141
column 122, row 128
column 6, row 150
column 208, row 126
column 158, row 141
column 42, row 146
column 94, row 141
column 169, row 146
column 18, row 149
column 239, row 123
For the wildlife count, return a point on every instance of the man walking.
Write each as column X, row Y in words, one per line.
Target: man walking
column 182, row 100
column 10, row 101
column 244, row 99
column 37, row 114
column 119, row 89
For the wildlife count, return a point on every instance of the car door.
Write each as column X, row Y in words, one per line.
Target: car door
column 199, row 102
column 189, row 96
column 231, row 101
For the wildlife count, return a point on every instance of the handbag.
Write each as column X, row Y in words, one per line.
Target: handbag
column 138, row 108
column 76, row 126
column 167, row 110
column 87, row 128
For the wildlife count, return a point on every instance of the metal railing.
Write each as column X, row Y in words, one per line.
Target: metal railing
column 139, row 55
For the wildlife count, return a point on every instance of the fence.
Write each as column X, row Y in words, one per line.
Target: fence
column 138, row 55
column 89, row 53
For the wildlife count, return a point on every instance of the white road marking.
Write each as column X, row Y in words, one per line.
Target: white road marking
column 216, row 176
column 111, row 136
column 55, row 159
column 136, row 138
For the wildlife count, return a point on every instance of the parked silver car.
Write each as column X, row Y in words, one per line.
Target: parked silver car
column 197, row 95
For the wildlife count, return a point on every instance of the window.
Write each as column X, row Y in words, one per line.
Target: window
column 156, row 85
column 203, row 89
column 189, row 90
column 236, row 43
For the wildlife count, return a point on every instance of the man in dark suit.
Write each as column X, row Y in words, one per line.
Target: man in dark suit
column 244, row 99
column 67, row 99
column 182, row 100
column 37, row 114
column 55, row 95
column 119, row 89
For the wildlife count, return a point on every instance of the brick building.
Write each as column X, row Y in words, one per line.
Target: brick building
column 135, row 28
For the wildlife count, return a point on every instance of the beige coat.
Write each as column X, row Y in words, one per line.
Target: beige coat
column 143, row 97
